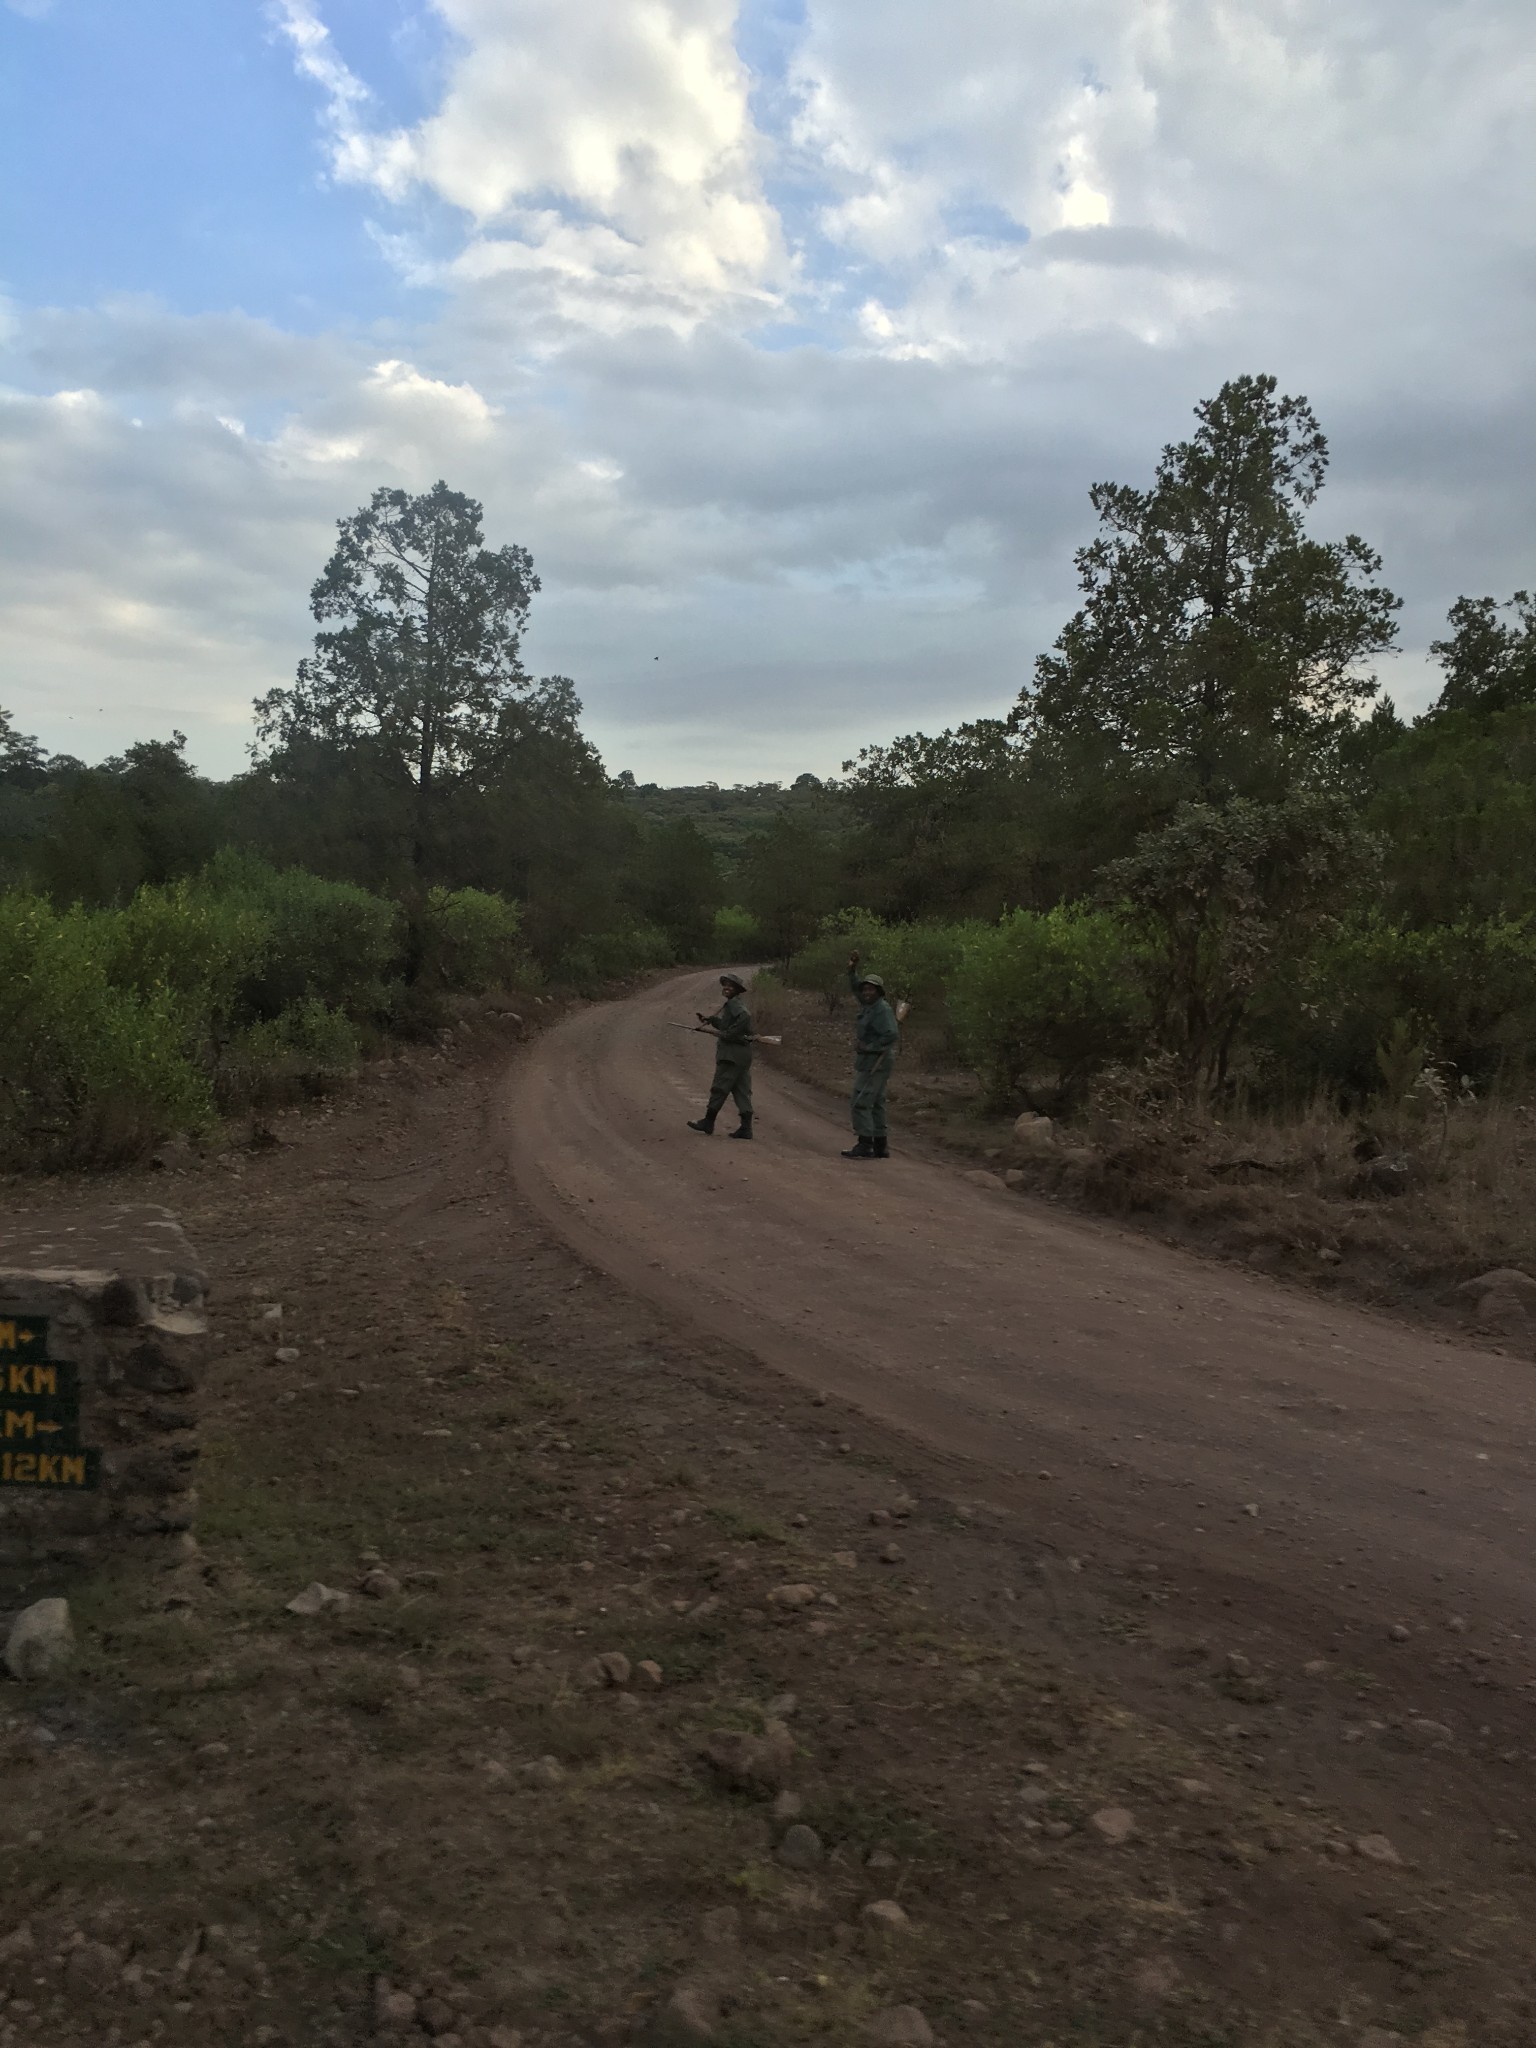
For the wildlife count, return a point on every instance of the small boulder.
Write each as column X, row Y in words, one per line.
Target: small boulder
column 751, row 1763
column 792, row 1597
column 692, row 2013
column 801, row 1848
column 41, row 1641
column 899, row 2026
column 544, row 1774
column 378, row 1584
column 615, row 1667
column 394, row 2012
column 1113, row 1824
column 316, row 1599
column 884, row 1916
column 649, row 1673
column 979, row 1177
column 1034, row 1136
column 1377, row 1849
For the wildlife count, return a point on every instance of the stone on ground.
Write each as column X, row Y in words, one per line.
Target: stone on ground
column 692, row 2013
column 41, row 1641
column 1113, row 1823
column 316, row 1599
column 801, row 1848
column 884, row 1916
column 899, row 2026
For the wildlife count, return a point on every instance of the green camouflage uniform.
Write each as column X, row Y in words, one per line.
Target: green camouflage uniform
column 876, row 1035
column 733, row 1058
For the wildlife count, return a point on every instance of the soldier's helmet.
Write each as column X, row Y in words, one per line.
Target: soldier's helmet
column 872, row 981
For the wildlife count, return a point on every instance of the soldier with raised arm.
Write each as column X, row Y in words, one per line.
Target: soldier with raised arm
column 876, row 1035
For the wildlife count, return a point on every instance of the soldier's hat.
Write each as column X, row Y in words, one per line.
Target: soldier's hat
column 733, row 981
column 872, row 981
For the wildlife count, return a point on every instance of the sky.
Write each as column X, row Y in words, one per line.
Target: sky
column 788, row 335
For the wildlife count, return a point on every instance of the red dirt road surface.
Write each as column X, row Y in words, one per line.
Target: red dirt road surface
column 1315, row 1481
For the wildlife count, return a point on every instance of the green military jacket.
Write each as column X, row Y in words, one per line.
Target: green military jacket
column 876, row 1034
column 733, row 1026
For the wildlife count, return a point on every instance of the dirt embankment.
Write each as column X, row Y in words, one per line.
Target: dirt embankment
column 1046, row 1801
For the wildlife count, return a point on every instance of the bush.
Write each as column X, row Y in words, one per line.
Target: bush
column 329, row 940
column 1466, row 991
column 201, row 951
column 470, row 940
column 736, row 936
column 613, row 956
column 303, row 1051
column 1047, row 994
column 91, row 1074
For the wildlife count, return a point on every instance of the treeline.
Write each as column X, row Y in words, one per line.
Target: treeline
column 1202, row 838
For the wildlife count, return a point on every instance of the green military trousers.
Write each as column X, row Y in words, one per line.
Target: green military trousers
column 870, row 1080
column 733, row 1077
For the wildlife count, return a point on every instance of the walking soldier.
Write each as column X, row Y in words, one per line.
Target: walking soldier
column 876, row 1035
column 732, row 1026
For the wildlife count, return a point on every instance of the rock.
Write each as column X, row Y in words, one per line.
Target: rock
column 791, row 1597
column 546, row 1773
column 781, row 1706
column 1014, row 1178
column 788, row 1806
column 627, row 1703
column 1427, row 1733
column 692, row 2013
column 880, row 1859
column 899, row 2026
column 751, row 1763
column 378, row 1584
column 615, row 1667
column 879, row 1518
column 649, row 1673
column 1034, row 1136
column 1502, row 1280
column 41, row 1641
column 847, row 1559
column 1376, row 1849
column 884, row 1916
column 592, row 1674
column 436, row 2016
column 286, row 1354
column 1385, row 1176
column 1316, row 1667
column 1113, row 1824
column 721, row 1927
column 801, row 1848
column 316, row 1599
column 980, row 1178
column 892, row 1554
column 394, row 2012
column 1399, row 1632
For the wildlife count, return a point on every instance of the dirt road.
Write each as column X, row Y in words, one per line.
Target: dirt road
column 1331, row 1474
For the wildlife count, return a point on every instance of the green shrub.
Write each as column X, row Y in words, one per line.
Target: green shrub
column 1467, row 991
column 303, row 1051
column 91, row 1074
column 202, row 951
column 470, row 940
column 736, row 936
column 1047, row 996
column 612, row 956
column 329, row 940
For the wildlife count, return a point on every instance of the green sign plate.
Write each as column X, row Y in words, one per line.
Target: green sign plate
column 40, row 1446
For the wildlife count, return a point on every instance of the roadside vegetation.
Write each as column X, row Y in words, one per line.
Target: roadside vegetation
column 1201, row 867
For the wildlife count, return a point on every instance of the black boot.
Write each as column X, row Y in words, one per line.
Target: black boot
column 882, row 1148
column 743, row 1129
column 706, row 1124
column 863, row 1149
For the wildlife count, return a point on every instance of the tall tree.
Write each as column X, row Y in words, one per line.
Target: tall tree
column 1219, row 649
column 423, row 662
column 1489, row 666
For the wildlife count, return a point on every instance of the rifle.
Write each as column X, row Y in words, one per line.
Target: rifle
column 703, row 1030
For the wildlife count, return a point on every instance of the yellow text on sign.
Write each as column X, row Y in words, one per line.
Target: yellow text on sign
column 12, row 1338
column 29, row 1379
column 40, row 1468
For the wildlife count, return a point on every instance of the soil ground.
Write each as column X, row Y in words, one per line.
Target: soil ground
column 1128, row 1788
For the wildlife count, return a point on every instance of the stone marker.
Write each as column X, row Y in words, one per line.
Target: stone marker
column 103, row 1337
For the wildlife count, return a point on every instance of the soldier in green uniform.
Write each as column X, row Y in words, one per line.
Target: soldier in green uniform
column 732, row 1026
column 876, row 1035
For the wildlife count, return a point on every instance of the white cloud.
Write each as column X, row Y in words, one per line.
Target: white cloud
column 1018, row 252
